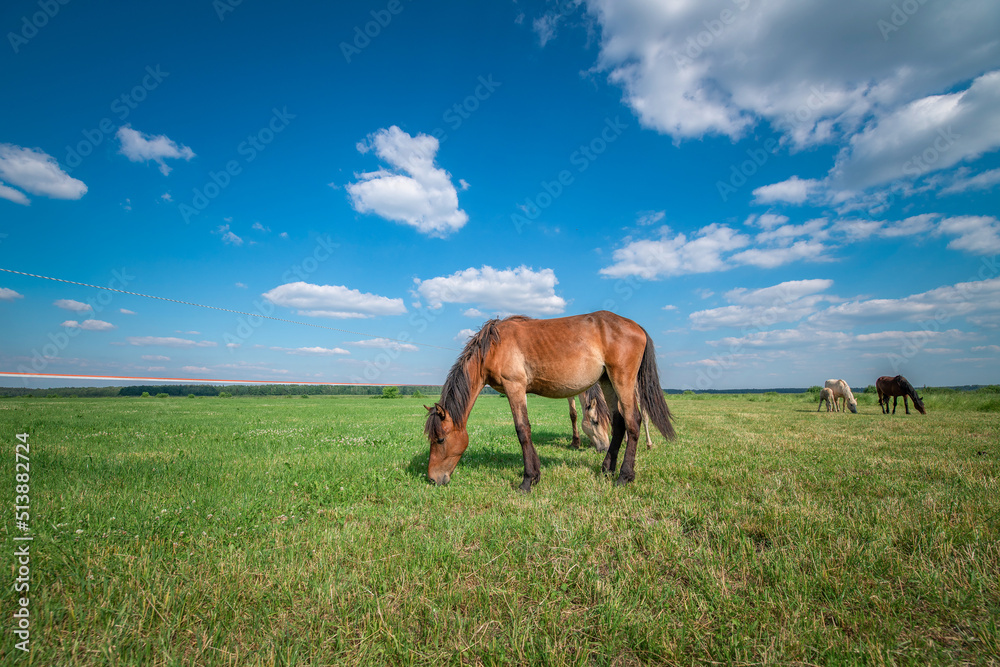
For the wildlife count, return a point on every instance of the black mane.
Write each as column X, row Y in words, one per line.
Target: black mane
column 455, row 393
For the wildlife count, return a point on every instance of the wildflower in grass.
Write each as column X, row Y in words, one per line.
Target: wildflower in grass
column 79, row 531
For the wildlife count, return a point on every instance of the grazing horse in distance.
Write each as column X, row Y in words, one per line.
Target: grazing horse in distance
column 555, row 358
column 841, row 390
column 895, row 387
column 596, row 420
column 826, row 394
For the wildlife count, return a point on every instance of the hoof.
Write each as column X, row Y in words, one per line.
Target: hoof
column 622, row 481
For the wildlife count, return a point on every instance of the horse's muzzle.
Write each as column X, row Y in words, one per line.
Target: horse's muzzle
column 441, row 479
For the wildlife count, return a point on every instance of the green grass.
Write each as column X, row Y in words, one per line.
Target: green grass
column 281, row 531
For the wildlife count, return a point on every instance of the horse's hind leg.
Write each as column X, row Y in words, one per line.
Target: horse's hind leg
column 532, row 466
column 572, row 417
column 894, row 403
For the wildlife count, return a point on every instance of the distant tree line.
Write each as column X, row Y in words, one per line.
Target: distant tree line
column 215, row 390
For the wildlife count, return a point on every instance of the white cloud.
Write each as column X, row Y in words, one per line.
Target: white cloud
column 899, row 96
column 521, row 290
column 473, row 313
column 313, row 351
column 261, row 228
column 719, row 248
column 928, row 134
column 414, row 191
column 647, row 218
column 793, row 191
column 13, row 195
column 228, row 237
column 71, row 305
column 964, row 183
column 385, row 344
column 168, row 341
column 89, row 325
column 141, row 147
column 545, row 27
column 769, row 258
column 464, row 335
column 979, row 235
column 126, row 311
column 785, row 302
column 154, row 357
column 335, row 301
column 815, row 71
column 196, row 369
column 676, row 255
column 7, row 294
column 969, row 299
column 36, row 172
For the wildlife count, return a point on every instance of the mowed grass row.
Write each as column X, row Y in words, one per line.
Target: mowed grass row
column 303, row 531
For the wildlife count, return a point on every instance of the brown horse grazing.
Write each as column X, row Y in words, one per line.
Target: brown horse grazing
column 555, row 358
column 596, row 420
column 895, row 387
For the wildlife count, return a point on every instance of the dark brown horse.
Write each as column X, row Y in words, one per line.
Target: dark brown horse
column 895, row 387
column 555, row 358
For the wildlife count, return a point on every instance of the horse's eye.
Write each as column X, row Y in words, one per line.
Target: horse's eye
column 440, row 441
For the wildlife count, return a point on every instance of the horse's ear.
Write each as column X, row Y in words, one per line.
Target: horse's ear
column 592, row 404
column 440, row 411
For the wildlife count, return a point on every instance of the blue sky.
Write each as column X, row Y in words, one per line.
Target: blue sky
column 780, row 193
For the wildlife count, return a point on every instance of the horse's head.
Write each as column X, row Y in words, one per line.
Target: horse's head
column 596, row 425
column 448, row 442
column 852, row 405
column 918, row 403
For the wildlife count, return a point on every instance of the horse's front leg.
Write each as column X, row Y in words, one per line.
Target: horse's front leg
column 894, row 403
column 572, row 417
column 627, row 473
column 610, row 463
column 532, row 466
column 906, row 404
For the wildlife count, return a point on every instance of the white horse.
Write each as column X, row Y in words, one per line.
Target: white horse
column 841, row 390
column 831, row 402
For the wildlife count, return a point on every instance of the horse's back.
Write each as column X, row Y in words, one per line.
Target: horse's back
column 561, row 357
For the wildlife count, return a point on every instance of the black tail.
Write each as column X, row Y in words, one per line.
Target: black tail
column 651, row 393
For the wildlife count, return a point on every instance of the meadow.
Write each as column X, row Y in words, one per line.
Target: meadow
column 287, row 531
